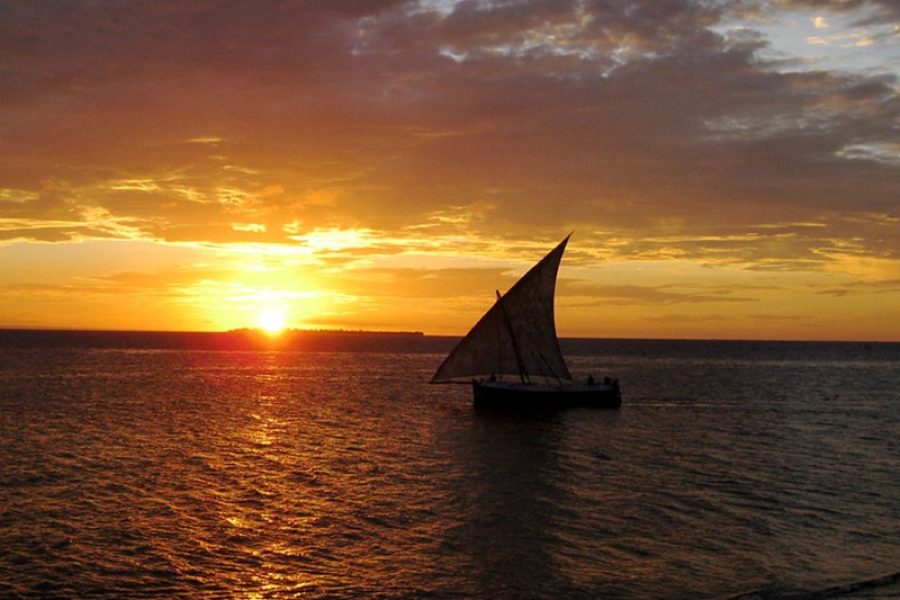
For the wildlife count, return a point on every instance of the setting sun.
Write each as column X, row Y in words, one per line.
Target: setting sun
column 271, row 320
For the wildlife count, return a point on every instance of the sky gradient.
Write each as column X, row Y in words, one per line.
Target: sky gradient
column 731, row 169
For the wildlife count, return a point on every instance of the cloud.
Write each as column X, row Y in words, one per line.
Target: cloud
column 679, row 319
column 878, row 286
column 867, row 11
column 265, row 122
column 660, row 295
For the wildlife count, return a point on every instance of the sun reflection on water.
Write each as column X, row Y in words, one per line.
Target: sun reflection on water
column 271, row 474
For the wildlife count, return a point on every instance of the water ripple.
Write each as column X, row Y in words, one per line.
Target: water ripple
column 217, row 474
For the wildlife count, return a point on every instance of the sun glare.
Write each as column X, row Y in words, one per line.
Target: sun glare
column 271, row 320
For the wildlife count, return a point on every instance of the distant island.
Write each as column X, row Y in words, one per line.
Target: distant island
column 238, row 339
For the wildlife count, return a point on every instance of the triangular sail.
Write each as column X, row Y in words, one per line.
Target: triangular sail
column 520, row 323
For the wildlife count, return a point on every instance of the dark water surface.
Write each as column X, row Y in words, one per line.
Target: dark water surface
column 731, row 467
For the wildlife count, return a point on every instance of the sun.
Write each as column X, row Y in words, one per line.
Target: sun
column 271, row 320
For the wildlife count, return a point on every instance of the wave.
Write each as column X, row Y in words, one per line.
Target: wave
column 821, row 594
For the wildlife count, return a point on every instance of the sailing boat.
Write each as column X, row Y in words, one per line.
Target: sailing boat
column 517, row 337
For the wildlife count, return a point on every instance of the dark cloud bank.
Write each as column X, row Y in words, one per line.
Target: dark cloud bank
column 633, row 121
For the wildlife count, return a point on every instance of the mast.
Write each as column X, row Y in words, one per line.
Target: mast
column 523, row 374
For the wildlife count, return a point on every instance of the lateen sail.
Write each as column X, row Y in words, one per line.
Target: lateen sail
column 520, row 323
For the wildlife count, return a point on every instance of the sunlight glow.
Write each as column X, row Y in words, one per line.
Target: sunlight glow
column 271, row 320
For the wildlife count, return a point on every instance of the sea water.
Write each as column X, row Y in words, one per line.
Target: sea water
column 731, row 467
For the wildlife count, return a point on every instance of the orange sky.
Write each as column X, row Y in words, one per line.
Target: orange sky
column 730, row 170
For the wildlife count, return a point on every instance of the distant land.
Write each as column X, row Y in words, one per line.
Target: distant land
column 239, row 339
column 404, row 342
column 328, row 340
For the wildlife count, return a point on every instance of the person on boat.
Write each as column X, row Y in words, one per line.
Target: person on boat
column 493, row 377
column 590, row 380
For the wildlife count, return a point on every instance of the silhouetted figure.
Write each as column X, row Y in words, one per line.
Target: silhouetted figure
column 590, row 380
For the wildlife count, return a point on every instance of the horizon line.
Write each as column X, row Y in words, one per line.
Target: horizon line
column 422, row 333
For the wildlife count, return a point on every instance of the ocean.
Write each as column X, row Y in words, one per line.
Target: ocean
column 733, row 469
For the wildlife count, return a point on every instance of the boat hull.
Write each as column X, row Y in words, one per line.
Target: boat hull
column 495, row 394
